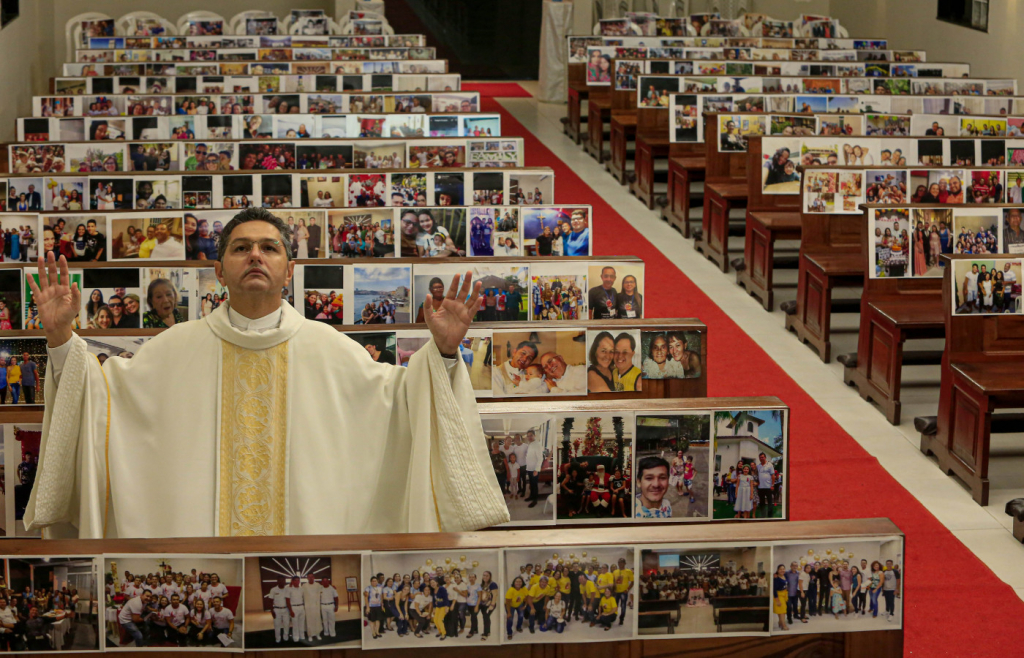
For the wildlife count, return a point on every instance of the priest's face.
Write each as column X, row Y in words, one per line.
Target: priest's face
column 262, row 270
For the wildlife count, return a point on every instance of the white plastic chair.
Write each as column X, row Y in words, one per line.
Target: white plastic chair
column 73, row 31
column 237, row 21
column 125, row 26
column 201, row 16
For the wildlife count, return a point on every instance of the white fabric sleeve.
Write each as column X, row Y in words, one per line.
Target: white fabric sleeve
column 450, row 364
column 57, row 356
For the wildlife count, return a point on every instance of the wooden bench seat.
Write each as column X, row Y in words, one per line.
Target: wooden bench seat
column 821, row 271
column 885, row 325
column 623, row 129
column 578, row 91
column 599, row 110
column 755, row 615
column 682, row 171
column 650, row 147
column 725, row 188
column 756, row 273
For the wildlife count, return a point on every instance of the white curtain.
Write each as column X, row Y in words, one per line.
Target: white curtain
column 555, row 27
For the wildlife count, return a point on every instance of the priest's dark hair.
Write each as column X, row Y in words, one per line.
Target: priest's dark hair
column 254, row 214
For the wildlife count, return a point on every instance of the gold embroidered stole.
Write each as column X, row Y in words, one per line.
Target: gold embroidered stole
column 253, row 441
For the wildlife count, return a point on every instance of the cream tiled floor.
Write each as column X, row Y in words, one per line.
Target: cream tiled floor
column 984, row 530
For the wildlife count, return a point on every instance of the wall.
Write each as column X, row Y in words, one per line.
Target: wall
column 911, row 24
column 28, row 62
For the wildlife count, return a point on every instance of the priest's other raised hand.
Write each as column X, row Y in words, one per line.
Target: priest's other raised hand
column 57, row 299
column 449, row 323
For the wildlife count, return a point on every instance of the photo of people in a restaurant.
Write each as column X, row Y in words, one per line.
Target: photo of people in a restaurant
column 522, row 450
column 49, row 604
column 595, row 464
column 707, row 591
column 749, row 465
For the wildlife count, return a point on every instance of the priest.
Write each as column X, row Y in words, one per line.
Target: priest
column 271, row 424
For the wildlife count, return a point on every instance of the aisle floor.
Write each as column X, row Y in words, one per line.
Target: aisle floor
column 984, row 530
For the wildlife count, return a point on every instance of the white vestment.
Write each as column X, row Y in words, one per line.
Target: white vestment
column 311, row 597
column 256, row 419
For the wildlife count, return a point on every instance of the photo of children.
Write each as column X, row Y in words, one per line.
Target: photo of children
column 424, row 598
column 673, row 478
column 985, row 187
column 749, row 461
column 522, row 451
column 173, row 601
column 557, row 292
column 569, row 594
column 858, row 586
column 595, row 472
column 886, row 186
column 684, row 117
column 671, row 354
column 540, row 363
column 778, row 166
column 788, row 125
column 408, row 190
column 932, row 237
column 19, row 450
column 986, row 287
column 47, row 602
column 301, row 601
column 712, row 591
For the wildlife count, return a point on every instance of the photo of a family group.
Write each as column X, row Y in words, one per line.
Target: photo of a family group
column 504, row 289
column 557, row 291
column 522, row 452
column 734, row 130
column 22, row 370
column 571, row 594
column 835, row 587
column 49, row 604
column 704, row 590
column 778, row 168
column 987, row 286
column 833, row 191
column 173, row 601
column 539, row 363
column 671, row 354
column 616, row 291
column 556, row 231
column 749, row 468
column 302, row 601
column 672, row 466
column 426, row 598
column 595, row 467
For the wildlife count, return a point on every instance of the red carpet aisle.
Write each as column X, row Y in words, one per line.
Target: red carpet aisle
column 954, row 604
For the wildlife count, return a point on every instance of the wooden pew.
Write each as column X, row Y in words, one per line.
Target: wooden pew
column 652, row 144
column 758, row 615
column 830, row 257
column 599, row 110
column 578, row 91
column 659, row 613
column 725, row 187
column 982, row 368
column 686, row 164
column 770, row 217
column 877, row 644
column 892, row 310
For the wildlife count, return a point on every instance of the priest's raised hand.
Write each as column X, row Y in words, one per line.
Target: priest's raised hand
column 256, row 403
column 449, row 323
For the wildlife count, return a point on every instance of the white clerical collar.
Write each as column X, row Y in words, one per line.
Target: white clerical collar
column 267, row 322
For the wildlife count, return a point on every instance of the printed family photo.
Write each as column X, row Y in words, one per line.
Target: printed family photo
column 112, row 298
column 476, row 353
column 23, row 361
column 986, row 287
column 833, row 191
column 302, row 601
column 382, row 294
column 323, row 293
column 554, row 231
column 210, row 294
column 173, row 601
column 616, row 291
column 531, row 189
column 355, row 233
column 432, row 233
column 419, row 599
column 749, row 459
column 31, row 318
column 892, row 242
column 734, row 129
column 10, row 299
column 885, row 186
column 778, row 166
column 557, row 291
column 50, row 604
column 494, row 231
column 138, row 236
column 704, row 591
column 570, row 594
column 522, row 452
column 672, row 466
column 837, row 586
column 539, row 363
column 19, row 450
column 595, row 471
column 977, row 231
column 671, row 354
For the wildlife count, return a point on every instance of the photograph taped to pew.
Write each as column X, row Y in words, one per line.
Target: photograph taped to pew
column 686, row 119
column 749, row 466
column 19, row 452
column 10, row 299
column 885, row 186
column 442, row 584
column 112, row 298
column 382, row 346
column 977, row 230
column 835, row 191
column 671, row 354
column 789, row 125
column 735, row 129
column 539, row 363
column 987, row 286
column 570, row 594
column 779, row 158
column 31, row 316
column 57, row 599
column 595, row 473
column 614, row 361
column 704, row 591
column 828, row 565
column 557, row 231
column 303, row 601
column 140, row 613
column 932, row 237
column 522, row 451
column 673, row 467
column 557, row 291
column 616, row 290
column 892, row 243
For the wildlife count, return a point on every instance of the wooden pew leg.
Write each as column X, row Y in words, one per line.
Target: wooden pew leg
column 879, row 371
column 595, row 131
column 572, row 126
column 716, row 235
column 642, row 185
column 812, row 320
column 759, row 263
column 677, row 211
column 969, row 438
column 619, row 143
